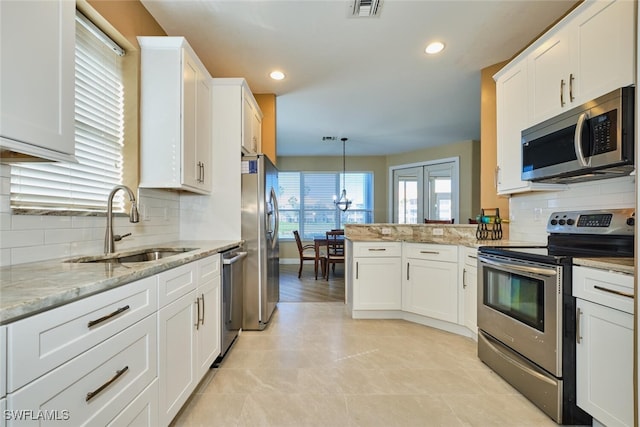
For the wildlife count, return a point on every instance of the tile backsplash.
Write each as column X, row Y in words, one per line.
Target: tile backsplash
column 29, row 238
column 529, row 212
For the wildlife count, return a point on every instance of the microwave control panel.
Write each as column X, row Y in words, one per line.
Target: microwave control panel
column 603, row 131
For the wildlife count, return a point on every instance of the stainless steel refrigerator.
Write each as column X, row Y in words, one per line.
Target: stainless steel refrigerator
column 260, row 233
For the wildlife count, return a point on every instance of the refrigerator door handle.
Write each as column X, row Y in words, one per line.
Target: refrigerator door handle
column 276, row 222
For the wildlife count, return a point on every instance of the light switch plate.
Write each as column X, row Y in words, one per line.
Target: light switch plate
column 438, row 232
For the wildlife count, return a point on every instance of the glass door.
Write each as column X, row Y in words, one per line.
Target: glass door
column 407, row 184
column 438, row 179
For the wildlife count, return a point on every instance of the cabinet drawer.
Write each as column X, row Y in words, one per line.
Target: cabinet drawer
column 142, row 412
column 447, row 253
column 98, row 384
column 208, row 268
column 45, row 341
column 608, row 288
column 377, row 249
column 174, row 283
column 470, row 257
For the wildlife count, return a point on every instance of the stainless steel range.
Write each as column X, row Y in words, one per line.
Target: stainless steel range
column 526, row 311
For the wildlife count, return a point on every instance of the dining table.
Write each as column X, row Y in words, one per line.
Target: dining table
column 319, row 241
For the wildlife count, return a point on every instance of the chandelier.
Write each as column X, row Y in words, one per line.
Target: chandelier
column 343, row 203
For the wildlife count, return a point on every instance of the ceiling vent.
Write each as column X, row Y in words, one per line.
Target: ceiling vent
column 365, row 8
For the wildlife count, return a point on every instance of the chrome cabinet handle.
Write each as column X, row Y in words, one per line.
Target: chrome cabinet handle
column 613, row 291
column 562, row 92
column 407, row 271
column 578, row 336
column 464, row 275
column 357, row 270
column 571, row 78
column 108, row 316
column 202, row 298
column 377, row 249
column 496, row 177
column 430, row 252
column 197, row 303
column 92, row 394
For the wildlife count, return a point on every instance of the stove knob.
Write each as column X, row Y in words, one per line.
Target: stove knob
column 570, row 221
column 561, row 222
column 631, row 221
column 554, row 222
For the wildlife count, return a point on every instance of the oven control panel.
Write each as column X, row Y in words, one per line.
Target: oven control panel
column 609, row 221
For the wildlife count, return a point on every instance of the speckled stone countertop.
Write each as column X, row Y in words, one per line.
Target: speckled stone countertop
column 26, row 289
column 620, row 265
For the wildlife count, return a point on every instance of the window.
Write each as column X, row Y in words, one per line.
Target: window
column 306, row 201
column 99, row 133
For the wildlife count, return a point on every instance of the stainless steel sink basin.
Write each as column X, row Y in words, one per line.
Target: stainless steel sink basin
column 138, row 256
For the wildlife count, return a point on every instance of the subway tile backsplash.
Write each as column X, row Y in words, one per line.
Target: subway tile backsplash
column 30, row 238
column 529, row 212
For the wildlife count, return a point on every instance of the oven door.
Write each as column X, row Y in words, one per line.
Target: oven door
column 520, row 305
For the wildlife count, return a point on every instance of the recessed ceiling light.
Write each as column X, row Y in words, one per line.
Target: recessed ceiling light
column 434, row 47
column 277, row 75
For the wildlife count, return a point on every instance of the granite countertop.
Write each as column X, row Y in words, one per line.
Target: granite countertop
column 619, row 265
column 27, row 289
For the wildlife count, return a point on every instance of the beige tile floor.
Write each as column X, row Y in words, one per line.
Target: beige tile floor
column 315, row 366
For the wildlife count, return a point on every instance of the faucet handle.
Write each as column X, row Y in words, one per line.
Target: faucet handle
column 118, row 237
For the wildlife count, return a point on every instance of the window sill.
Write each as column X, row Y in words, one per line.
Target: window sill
column 53, row 212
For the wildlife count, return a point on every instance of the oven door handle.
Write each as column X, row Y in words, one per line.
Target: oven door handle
column 521, row 268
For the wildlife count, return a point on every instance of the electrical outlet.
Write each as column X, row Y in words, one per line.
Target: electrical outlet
column 144, row 212
column 386, row 231
column 537, row 214
column 438, row 232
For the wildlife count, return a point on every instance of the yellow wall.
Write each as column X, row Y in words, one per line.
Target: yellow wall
column 488, row 135
column 267, row 104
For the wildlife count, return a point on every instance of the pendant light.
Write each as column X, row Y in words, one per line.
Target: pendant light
column 343, row 203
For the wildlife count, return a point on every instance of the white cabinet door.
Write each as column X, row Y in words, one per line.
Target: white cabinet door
column 430, row 289
column 37, row 41
column 208, row 298
column 251, row 123
column 548, row 67
column 376, row 284
column 3, row 361
column 470, row 289
column 175, row 116
column 602, row 48
column 604, row 361
column 176, row 355
column 142, row 412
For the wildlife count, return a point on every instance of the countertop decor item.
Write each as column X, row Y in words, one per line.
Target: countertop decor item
column 489, row 225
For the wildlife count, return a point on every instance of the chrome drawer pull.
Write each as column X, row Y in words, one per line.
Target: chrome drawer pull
column 430, row 252
column 202, row 322
column 578, row 336
column 108, row 316
column 97, row 391
column 377, row 249
column 197, row 303
column 613, row 291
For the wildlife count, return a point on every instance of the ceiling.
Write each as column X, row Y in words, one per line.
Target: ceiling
column 366, row 79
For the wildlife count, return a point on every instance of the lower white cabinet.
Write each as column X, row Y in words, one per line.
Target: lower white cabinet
column 604, row 361
column 469, row 289
column 3, row 361
column 430, row 280
column 189, row 335
column 90, row 388
column 142, row 412
column 3, row 408
column 376, row 268
column 604, row 344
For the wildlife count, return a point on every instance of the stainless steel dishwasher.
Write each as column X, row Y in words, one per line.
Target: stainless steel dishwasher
column 232, row 298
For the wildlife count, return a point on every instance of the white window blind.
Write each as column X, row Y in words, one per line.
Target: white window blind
column 99, row 137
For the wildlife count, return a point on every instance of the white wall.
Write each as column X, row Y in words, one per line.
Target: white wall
column 529, row 212
column 29, row 238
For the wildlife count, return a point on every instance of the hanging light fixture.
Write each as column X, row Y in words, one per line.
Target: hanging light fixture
column 343, row 203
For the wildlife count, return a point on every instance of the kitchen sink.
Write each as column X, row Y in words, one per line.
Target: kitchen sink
column 138, row 256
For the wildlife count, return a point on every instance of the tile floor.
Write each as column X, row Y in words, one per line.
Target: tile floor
column 315, row 366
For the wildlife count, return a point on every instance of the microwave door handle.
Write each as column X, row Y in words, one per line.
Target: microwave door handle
column 520, row 268
column 577, row 141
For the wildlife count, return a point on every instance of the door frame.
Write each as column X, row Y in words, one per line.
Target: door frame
column 455, row 184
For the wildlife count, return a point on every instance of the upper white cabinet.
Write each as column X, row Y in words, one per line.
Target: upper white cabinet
column 237, row 119
column 37, row 41
column 588, row 54
column 175, row 116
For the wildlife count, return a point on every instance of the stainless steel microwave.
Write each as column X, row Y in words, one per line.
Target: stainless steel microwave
column 592, row 141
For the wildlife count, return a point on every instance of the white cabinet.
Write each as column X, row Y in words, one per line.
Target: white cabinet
column 237, row 118
column 512, row 117
column 37, row 41
column 430, row 280
column 175, row 116
column 588, row 54
column 375, row 275
column 142, row 412
column 604, row 344
column 251, row 123
column 189, row 331
column 3, row 361
column 469, row 290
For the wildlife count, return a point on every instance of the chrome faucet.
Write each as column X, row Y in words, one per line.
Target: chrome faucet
column 109, row 238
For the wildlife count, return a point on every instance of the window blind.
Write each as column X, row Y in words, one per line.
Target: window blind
column 99, row 138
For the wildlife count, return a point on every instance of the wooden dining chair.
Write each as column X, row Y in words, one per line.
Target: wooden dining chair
column 308, row 253
column 335, row 250
column 438, row 221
